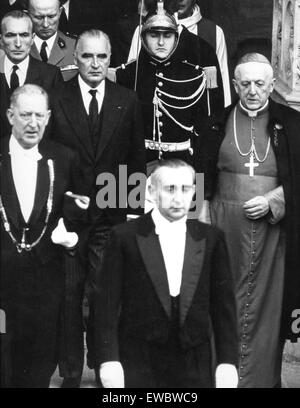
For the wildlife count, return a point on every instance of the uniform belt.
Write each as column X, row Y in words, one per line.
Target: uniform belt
column 167, row 147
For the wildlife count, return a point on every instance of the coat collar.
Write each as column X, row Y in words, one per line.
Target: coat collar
column 148, row 243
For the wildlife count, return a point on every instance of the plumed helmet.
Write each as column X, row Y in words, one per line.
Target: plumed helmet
column 160, row 21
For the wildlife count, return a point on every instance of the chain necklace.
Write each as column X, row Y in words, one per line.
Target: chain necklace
column 252, row 151
column 23, row 245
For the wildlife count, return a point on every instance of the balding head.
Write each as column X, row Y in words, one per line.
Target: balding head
column 254, row 80
column 92, row 56
column 45, row 15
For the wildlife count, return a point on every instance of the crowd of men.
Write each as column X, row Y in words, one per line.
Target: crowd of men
column 174, row 299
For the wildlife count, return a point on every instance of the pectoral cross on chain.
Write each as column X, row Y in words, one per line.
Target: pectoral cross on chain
column 251, row 165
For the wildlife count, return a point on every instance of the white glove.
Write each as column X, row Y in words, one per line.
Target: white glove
column 226, row 376
column 82, row 201
column 62, row 237
column 112, row 374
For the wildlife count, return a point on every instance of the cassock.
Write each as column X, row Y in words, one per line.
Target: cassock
column 256, row 247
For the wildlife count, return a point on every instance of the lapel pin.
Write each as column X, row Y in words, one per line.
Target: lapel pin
column 61, row 43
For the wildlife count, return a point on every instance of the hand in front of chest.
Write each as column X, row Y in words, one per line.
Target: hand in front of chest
column 62, row 237
column 256, row 208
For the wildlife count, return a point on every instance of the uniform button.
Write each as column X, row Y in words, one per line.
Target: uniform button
column 254, row 231
column 160, row 84
column 246, row 325
column 246, row 315
column 160, row 124
column 241, row 377
column 160, row 74
column 242, row 367
column 247, row 305
column 253, row 252
column 242, row 356
column 253, row 242
column 158, row 93
column 159, row 134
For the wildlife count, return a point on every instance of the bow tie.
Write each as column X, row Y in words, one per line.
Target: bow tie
column 171, row 228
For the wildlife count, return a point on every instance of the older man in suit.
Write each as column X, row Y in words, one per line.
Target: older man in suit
column 50, row 44
column 16, row 65
column 34, row 180
column 164, row 290
column 102, row 122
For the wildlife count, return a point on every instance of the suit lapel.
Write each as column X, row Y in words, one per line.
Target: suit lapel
column 111, row 114
column 33, row 74
column 149, row 245
column 72, row 105
column 9, row 194
column 57, row 54
column 192, row 267
column 41, row 191
column 34, row 52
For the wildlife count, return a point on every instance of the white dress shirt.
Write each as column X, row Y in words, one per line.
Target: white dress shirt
column 50, row 42
column 21, row 72
column 86, row 96
column 172, row 237
column 191, row 24
column 24, row 171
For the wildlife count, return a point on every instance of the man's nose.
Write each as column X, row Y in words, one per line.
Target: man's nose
column 252, row 88
column 96, row 62
column 18, row 41
column 178, row 194
column 161, row 39
column 45, row 22
column 33, row 121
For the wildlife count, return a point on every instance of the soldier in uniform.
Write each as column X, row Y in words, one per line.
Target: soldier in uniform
column 50, row 44
column 178, row 81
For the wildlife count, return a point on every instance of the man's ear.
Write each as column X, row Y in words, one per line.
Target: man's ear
column 48, row 116
column 10, row 115
column 235, row 85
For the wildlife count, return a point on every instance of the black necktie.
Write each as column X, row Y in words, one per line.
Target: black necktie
column 93, row 116
column 43, row 52
column 14, row 79
column 63, row 21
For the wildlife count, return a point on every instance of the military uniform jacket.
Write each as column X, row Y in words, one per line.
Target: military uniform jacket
column 61, row 54
column 176, row 82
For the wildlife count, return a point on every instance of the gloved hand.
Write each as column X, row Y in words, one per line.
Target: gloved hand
column 62, row 237
column 226, row 376
column 112, row 374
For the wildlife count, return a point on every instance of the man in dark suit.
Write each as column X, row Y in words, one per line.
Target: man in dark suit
column 164, row 290
column 50, row 44
column 34, row 180
column 16, row 66
column 102, row 122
